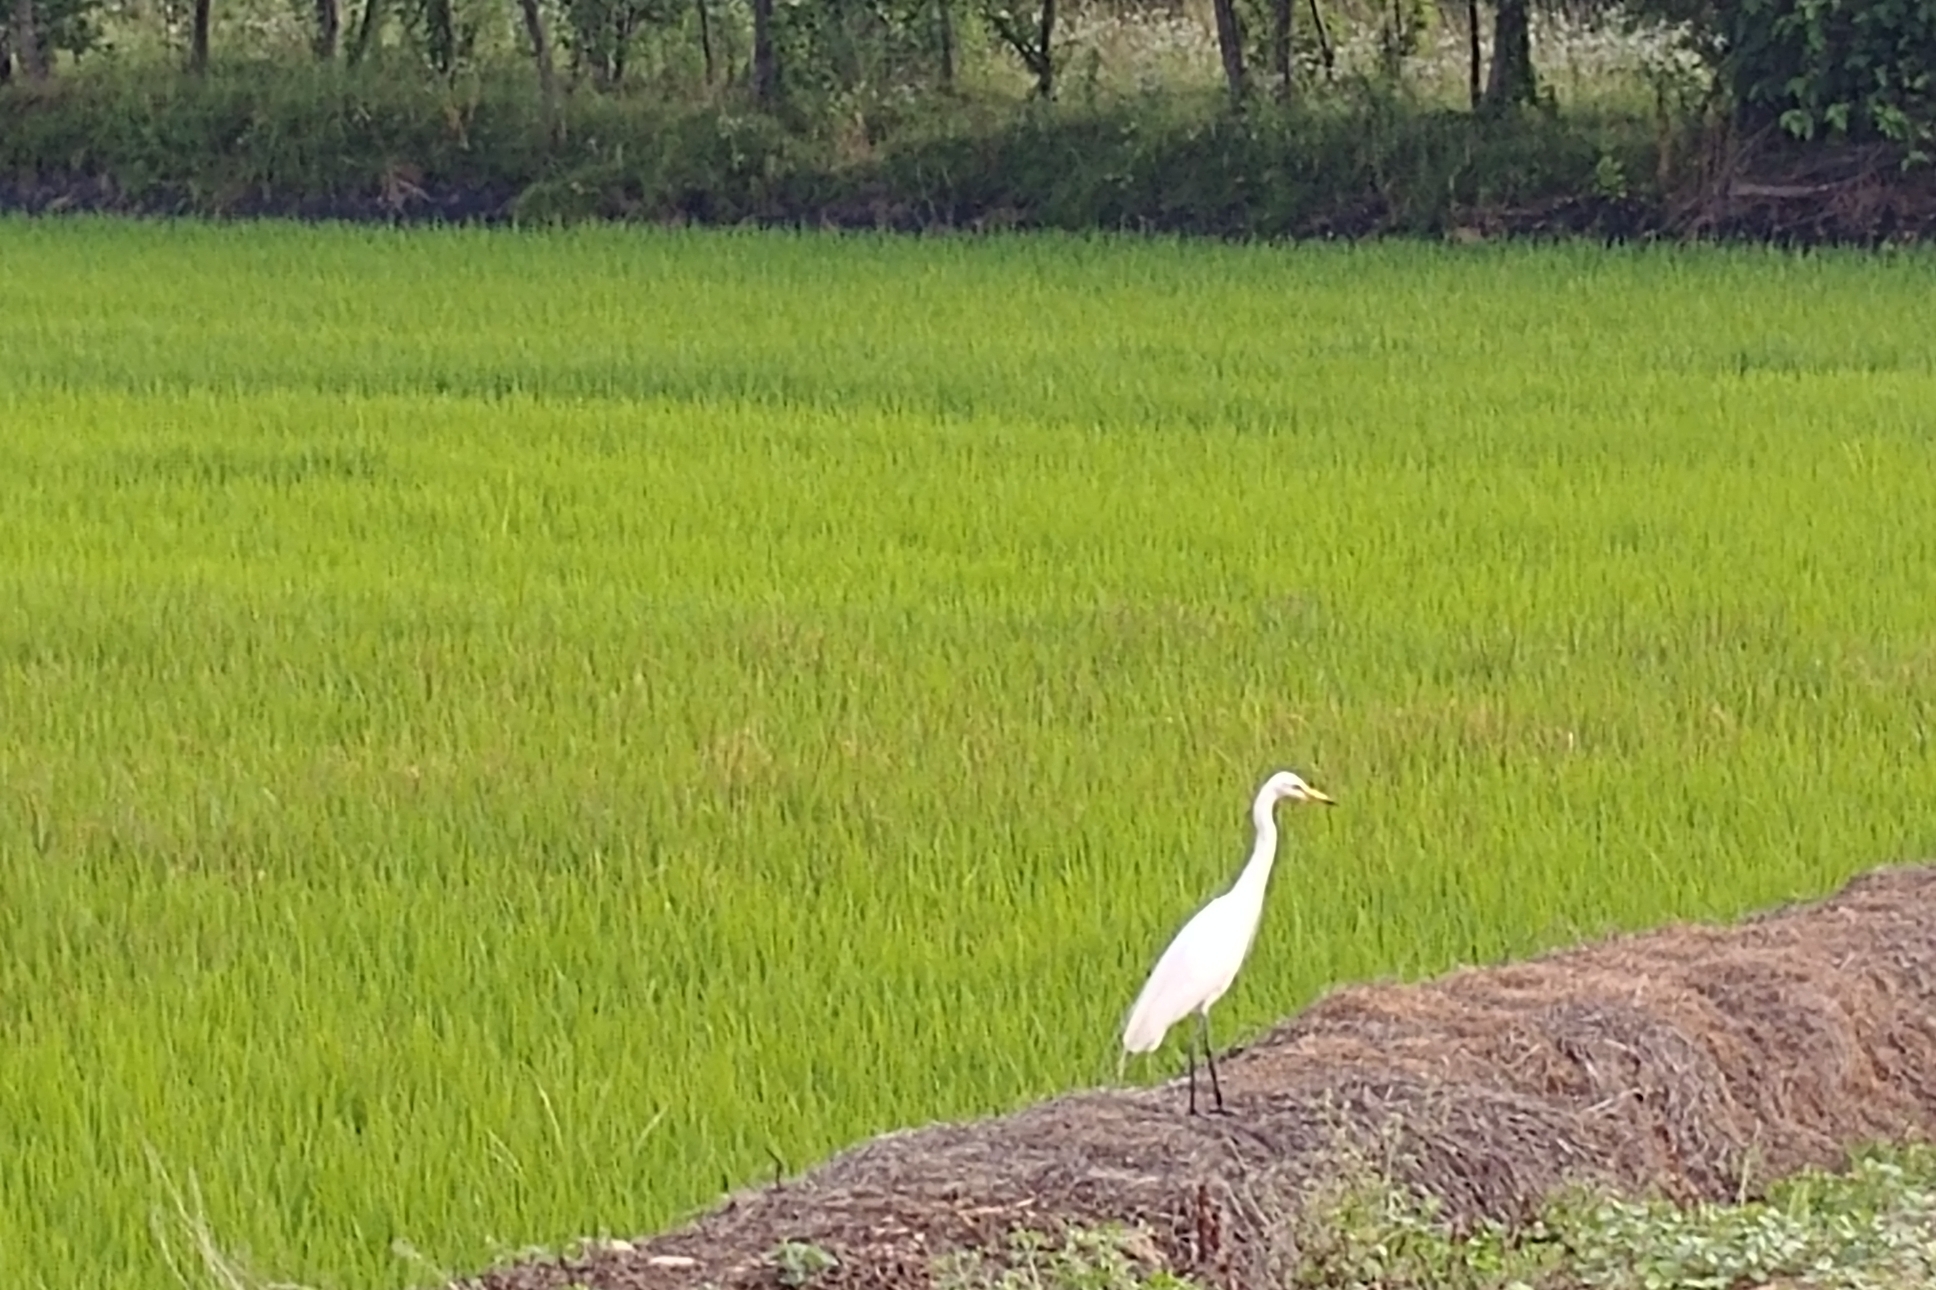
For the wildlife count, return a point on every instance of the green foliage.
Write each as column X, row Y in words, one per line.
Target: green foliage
column 836, row 48
column 1376, row 157
column 797, row 1263
column 719, row 167
column 503, row 730
column 1373, row 160
column 1845, row 69
column 1362, row 1232
column 299, row 132
column 1609, row 177
column 443, row 34
column 600, row 33
column 62, row 26
column 1872, row 1227
column 1856, row 68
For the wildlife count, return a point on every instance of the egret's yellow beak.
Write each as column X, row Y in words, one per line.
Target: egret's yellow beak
column 1317, row 796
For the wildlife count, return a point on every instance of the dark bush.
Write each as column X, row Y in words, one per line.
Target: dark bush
column 1850, row 70
column 303, row 139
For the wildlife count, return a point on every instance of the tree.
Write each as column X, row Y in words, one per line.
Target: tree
column 1475, row 60
column 601, row 33
column 1326, row 53
column 329, row 27
column 36, row 30
column 28, row 42
column 198, row 39
column 540, row 40
column 1512, row 80
column 365, row 30
column 438, row 32
column 944, row 38
column 1033, row 43
column 858, row 49
column 766, row 67
column 706, row 38
column 1230, row 44
column 1280, row 48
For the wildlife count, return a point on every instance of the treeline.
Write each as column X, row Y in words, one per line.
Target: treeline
column 1853, row 67
column 781, row 50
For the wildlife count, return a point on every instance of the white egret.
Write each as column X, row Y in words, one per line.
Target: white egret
column 1202, row 961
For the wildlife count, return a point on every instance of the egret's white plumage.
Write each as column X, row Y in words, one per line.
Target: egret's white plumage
column 1199, row 965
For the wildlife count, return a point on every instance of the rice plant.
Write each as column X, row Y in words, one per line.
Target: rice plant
column 505, row 735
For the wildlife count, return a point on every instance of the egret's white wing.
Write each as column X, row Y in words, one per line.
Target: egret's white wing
column 1196, row 969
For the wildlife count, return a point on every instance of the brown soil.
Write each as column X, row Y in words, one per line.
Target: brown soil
column 1686, row 1062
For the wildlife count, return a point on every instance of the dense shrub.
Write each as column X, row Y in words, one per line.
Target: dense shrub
column 1848, row 69
column 276, row 137
column 1856, row 67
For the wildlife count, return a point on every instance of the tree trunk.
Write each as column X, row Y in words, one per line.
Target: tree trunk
column 1045, row 47
column 30, row 42
column 1230, row 44
column 706, row 40
column 365, row 31
column 1476, row 59
column 623, row 25
column 944, row 21
column 1280, row 48
column 534, row 31
column 766, row 67
column 329, row 26
column 28, row 47
column 440, row 36
column 1035, row 48
column 1512, row 56
column 1325, row 52
column 198, row 39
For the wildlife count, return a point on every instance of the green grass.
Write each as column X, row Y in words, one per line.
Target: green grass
column 500, row 732
column 1871, row 1227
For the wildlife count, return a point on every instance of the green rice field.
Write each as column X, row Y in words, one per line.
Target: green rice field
column 504, row 735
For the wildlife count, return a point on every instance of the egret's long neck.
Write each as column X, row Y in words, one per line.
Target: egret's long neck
column 1256, row 874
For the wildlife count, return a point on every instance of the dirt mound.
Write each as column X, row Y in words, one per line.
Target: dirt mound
column 1682, row 1062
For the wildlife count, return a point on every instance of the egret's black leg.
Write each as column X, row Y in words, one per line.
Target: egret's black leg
column 1190, row 1057
column 1210, row 1059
